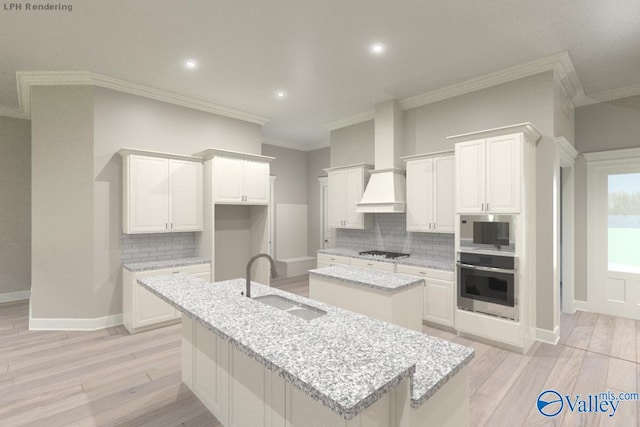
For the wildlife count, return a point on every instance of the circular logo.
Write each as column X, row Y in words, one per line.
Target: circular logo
column 550, row 403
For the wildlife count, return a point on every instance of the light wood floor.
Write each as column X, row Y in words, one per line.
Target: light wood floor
column 108, row 377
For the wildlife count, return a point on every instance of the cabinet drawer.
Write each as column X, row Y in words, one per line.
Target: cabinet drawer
column 425, row 272
column 333, row 259
column 378, row 265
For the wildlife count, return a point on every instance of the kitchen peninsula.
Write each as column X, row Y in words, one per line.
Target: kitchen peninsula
column 252, row 364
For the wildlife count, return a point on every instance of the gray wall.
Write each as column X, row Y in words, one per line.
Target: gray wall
column 15, row 200
column 290, row 169
column 77, row 186
column 62, row 203
column 352, row 144
column 526, row 100
column 317, row 160
column 609, row 125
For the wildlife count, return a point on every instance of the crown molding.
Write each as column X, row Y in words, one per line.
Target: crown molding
column 15, row 114
column 295, row 146
column 610, row 95
column 631, row 154
column 560, row 64
column 566, row 151
column 27, row 79
column 352, row 120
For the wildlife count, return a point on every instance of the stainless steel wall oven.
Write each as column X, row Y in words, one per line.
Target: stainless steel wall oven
column 488, row 284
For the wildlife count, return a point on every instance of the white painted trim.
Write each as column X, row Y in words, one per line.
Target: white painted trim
column 530, row 132
column 43, row 324
column 128, row 151
column 210, row 153
column 603, row 156
column 14, row 114
column 27, row 79
column 551, row 337
column 566, row 152
column 560, row 64
column 295, row 146
column 351, row 120
column 582, row 305
column 610, row 95
column 14, row 296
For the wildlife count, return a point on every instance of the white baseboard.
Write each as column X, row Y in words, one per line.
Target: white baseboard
column 581, row 305
column 14, row 296
column 43, row 324
column 548, row 336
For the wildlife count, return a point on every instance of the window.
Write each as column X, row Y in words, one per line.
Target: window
column 624, row 222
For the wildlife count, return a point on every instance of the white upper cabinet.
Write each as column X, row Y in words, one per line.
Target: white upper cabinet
column 239, row 178
column 185, row 195
column 161, row 193
column 430, row 189
column 489, row 169
column 346, row 187
column 489, row 175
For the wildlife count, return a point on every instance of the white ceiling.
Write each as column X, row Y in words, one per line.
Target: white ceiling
column 318, row 50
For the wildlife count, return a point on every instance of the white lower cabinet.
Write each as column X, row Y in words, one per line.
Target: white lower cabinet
column 326, row 260
column 439, row 291
column 376, row 265
column 141, row 309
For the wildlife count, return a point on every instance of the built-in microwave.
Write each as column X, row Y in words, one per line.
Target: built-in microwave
column 489, row 232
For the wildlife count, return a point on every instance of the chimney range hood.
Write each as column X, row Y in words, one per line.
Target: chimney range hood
column 385, row 192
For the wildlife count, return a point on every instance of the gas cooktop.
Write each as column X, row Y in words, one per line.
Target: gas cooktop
column 384, row 254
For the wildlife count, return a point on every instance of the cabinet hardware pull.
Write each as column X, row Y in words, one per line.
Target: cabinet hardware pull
column 487, row 207
column 482, row 209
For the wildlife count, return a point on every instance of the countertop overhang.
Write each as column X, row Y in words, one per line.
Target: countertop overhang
column 345, row 360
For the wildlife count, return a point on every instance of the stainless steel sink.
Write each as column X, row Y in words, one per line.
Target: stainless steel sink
column 300, row 310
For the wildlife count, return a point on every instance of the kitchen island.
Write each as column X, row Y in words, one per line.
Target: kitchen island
column 253, row 364
column 392, row 297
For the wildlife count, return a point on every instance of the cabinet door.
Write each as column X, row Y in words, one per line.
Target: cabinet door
column 228, row 180
column 354, row 190
column 419, row 194
column 211, row 371
column 470, row 176
column 149, row 309
column 443, row 197
column 185, row 195
column 148, row 195
column 438, row 302
column 503, row 173
column 256, row 182
column 337, row 199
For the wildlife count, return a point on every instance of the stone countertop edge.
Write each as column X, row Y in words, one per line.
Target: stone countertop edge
column 408, row 261
column 345, row 412
column 370, row 278
column 169, row 263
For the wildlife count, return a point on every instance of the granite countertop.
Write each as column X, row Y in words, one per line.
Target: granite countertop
column 170, row 263
column 436, row 263
column 345, row 360
column 391, row 282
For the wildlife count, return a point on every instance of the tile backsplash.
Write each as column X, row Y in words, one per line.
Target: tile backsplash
column 389, row 233
column 156, row 247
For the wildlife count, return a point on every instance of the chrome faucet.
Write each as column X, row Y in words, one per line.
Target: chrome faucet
column 274, row 272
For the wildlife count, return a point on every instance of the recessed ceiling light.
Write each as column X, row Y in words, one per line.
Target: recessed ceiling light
column 377, row 48
column 190, row 64
column 281, row 94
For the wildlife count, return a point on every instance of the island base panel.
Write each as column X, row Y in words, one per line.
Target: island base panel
column 241, row 392
column 403, row 307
